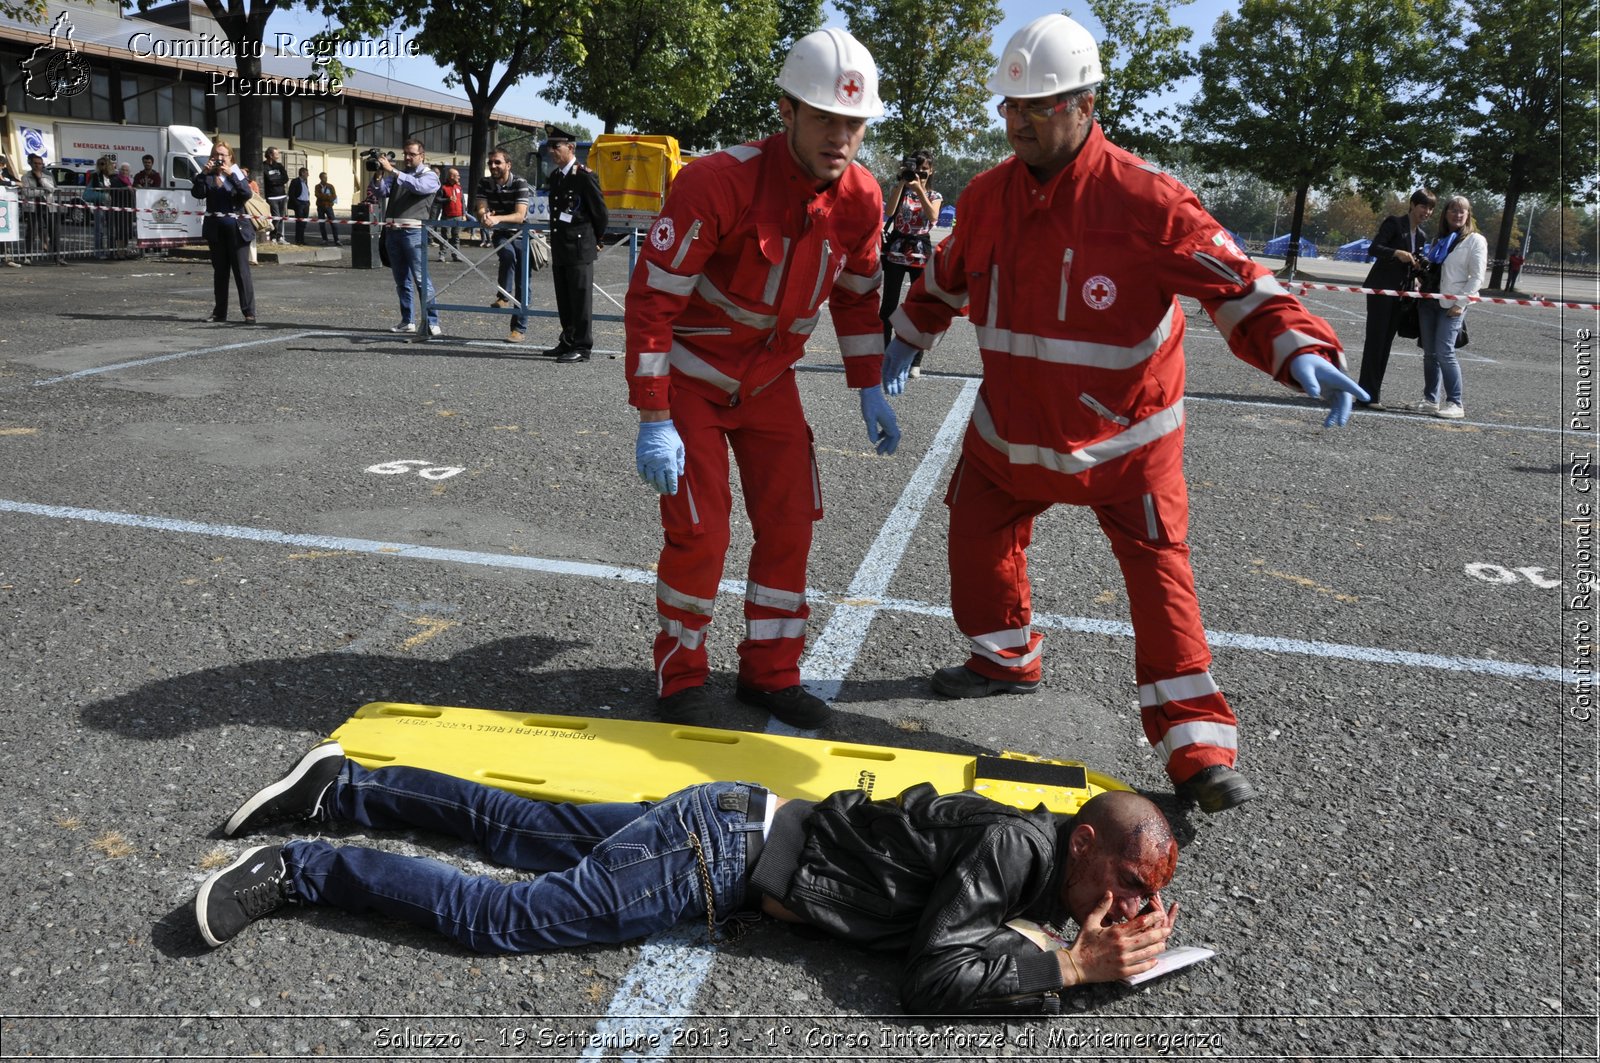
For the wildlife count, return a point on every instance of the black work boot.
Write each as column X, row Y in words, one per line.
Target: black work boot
column 298, row 795
column 795, row 706
column 1217, row 789
column 691, row 705
column 960, row 681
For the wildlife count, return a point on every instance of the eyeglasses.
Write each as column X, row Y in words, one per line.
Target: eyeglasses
column 1034, row 112
column 412, row 154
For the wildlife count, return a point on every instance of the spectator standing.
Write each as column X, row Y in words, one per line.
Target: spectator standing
column 1069, row 261
column 408, row 192
column 748, row 245
column 123, row 215
column 578, row 220
column 327, row 196
column 1457, row 260
column 97, row 193
column 300, row 202
column 1396, row 252
column 501, row 202
column 39, row 189
column 255, row 237
column 149, row 176
column 275, row 189
column 1514, row 263
column 452, row 207
column 228, row 231
column 908, row 240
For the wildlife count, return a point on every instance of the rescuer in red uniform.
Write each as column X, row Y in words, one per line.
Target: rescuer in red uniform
column 750, row 243
column 1068, row 261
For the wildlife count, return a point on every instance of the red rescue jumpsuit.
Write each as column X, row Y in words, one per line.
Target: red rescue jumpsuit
column 1072, row 288
column 731, row 283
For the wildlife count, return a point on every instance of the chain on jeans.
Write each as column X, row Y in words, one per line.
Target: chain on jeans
column 739, row 926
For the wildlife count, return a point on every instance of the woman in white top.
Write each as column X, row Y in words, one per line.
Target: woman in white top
column 1460, row 255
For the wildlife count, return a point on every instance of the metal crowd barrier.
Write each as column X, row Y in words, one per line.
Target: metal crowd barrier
column 60, row 226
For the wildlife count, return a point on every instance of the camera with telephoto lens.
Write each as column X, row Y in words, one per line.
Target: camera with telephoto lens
column 370, row 157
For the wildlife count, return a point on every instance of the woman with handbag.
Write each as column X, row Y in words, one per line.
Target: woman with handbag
column 228, row 230
column 907, row 245
column 1456, row 262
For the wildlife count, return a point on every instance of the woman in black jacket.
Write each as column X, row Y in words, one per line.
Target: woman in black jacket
column 228, row 231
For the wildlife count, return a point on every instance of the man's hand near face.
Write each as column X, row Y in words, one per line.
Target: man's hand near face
column 1106, row 953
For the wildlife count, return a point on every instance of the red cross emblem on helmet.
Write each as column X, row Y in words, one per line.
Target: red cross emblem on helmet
column 1015, row 71
column 849, row 87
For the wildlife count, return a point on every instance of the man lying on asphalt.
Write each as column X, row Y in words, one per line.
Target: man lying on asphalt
column 936, row 877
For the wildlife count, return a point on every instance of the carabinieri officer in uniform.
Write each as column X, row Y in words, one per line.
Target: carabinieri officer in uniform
column 577, row 222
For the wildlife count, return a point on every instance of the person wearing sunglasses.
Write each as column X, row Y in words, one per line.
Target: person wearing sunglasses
column 1069, row 260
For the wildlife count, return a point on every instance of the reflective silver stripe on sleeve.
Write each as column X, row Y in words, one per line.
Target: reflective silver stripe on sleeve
column 1286, row 344
column 1077, row 352
column 1234, row 311
column 667, row 595
column 1217, row 266
column 785, row 628
column 747, row 318
column 806, row 325
column 901, row 323
column 652, row 364
column 850, row 346
column 689, row 638
column 1197, row 733
column 773, row 598
column 1158, row 424
column 1181, row 688
column 688, row 363
column 860, row 283
column 743, row 152
column 661, row 280
column 930, row 281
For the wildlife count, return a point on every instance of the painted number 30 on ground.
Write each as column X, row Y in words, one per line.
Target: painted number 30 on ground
column 425, row 469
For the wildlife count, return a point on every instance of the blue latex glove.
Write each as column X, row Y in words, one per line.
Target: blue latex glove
column 658, row 455
column 1315, row 373
column 897, row 365
column 882, row 428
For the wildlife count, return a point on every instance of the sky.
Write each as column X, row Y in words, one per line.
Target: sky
column 523, row 98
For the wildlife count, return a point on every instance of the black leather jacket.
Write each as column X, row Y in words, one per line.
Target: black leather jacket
column 939, row 877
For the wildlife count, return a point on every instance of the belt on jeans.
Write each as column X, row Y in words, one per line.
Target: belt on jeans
column 752, row 801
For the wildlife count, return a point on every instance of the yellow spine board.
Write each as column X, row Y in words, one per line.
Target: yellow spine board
column 581, row 759
column 634, row 171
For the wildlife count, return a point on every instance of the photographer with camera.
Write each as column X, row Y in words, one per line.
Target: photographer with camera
column 228, row 231
column 907, row 245
column 408, row 192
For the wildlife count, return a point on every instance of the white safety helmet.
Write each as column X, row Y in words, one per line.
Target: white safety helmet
column 1050, row 55
column 834, row 72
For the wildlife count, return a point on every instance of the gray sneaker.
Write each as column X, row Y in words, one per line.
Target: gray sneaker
column 404, row 326
column 1451, row 411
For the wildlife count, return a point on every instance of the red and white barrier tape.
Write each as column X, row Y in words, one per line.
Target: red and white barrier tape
column 1301, row 287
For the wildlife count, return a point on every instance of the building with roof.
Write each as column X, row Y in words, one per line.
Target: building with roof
column 172, row 65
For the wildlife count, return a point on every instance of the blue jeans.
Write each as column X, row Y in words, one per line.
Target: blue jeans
column 513, row 255
column 102, row 227
column 1439, row 332
column 406, row 252
column 612, row 872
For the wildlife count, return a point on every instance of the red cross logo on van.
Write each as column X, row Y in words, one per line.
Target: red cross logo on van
column 848, row 87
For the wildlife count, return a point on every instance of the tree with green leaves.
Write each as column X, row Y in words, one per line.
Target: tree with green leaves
column 933, row 61
column 747, row 109
column 487, row 46
column 1522, row 91
column 1142, row 55
column 1308, row 93
column 650, row 64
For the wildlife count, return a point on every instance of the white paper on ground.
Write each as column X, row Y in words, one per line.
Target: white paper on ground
column 1050, row 939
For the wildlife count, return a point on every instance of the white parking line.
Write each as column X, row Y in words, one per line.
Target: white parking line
column 553, row 566
column 135, row 364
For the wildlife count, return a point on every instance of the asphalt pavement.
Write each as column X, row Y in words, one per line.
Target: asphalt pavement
column 207, row 566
